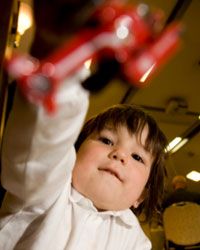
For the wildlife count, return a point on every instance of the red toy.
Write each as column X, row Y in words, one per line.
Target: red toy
column 121, row 32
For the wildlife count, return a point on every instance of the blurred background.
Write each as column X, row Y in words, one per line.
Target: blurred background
column 172, row 96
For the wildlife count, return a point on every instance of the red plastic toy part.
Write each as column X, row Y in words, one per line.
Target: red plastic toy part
column 124, row 33
column 142, row 67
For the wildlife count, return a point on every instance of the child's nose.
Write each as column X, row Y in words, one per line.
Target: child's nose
column 118, row 155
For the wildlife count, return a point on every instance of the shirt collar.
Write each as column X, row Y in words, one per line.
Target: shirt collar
column 126, row 216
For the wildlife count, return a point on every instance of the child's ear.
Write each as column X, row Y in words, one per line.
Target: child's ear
column 140, row 199
column 137, row 202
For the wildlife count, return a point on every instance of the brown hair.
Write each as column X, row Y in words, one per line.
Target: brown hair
column 135, row 119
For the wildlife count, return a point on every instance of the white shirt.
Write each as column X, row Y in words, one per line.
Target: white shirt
column 41, row 209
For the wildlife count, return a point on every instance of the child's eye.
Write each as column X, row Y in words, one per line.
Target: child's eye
column 137, row 158
column 106, row 141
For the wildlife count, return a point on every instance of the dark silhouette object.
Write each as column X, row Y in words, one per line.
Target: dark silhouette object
column 180, row 193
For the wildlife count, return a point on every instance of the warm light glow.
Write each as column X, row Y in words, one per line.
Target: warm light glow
column 176, row 144
column 88, row 63
column 25, row 18
column 146, row 74
column 194, row 176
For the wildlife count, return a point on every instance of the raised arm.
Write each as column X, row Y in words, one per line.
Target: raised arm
column 38, row 152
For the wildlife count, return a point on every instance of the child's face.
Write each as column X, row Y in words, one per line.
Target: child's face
column 112, row 169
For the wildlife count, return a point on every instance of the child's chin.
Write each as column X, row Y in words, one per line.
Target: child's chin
column 108, row 206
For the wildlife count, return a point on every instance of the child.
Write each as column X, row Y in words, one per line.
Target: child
column 57, row 200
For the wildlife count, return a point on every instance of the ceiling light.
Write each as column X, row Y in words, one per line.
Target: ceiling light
column 175, row 144
column 194, row 176
column 180, row 141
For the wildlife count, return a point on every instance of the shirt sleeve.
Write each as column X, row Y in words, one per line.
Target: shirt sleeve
column 38, row 152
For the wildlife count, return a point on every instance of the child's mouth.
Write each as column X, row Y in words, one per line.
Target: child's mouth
column 109, row 171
